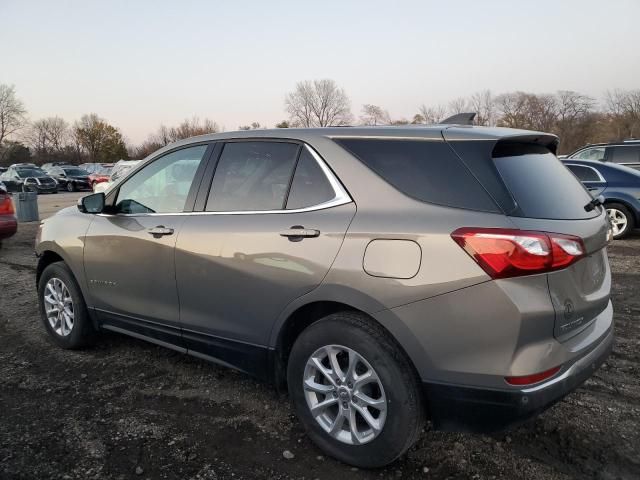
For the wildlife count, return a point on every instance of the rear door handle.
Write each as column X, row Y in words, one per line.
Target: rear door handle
column 160, row 231
column 298, row 232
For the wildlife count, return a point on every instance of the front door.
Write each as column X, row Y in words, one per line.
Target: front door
column 264, row 240
column 129, row 252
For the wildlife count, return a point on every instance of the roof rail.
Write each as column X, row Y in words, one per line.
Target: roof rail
column 460, row 119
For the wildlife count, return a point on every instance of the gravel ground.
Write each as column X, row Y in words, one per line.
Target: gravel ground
column 129, row 409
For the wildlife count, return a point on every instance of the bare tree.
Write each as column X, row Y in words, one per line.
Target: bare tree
column 458, row 105
column 624, row 107
column 432, row 114
column 374, row 115
column 12, row 112
column 482, row 103
column 318, row 103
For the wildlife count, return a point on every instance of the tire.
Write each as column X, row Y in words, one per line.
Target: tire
column 70, row 187
column 623, row 221
column 82, row 332
column 400, row 392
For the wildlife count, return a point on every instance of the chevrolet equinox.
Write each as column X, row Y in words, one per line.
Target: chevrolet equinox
column 383, row 275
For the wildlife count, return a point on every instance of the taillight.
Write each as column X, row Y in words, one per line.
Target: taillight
column 534, row 378
column 6, row 205
column 504, row 253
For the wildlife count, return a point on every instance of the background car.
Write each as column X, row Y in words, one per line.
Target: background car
column 8, row 223
column 100, row 174
column 3, row 169
column 21, row 178
column 620, row 187
column 71, row 178
column 48, row 166
column 119, row 171
column 623, row 153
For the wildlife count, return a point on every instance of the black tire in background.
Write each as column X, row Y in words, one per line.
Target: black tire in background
column 405, row 410
column 70, row 187
column 630, row 225
column 83, row 333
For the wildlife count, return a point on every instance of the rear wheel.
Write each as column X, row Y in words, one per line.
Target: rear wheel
column 354, row 390
column 62, row 308
column 621, row 218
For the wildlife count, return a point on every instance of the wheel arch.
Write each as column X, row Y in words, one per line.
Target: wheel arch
column 305, row 315
column 621, row 200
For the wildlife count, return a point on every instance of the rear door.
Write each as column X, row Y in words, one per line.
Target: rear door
column 264, row 237
column 546, row 197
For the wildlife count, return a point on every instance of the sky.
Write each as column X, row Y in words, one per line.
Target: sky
column 139, row 64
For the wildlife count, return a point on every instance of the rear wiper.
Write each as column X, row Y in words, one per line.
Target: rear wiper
column 596, row 202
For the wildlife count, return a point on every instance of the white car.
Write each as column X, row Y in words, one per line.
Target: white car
column 119, row 171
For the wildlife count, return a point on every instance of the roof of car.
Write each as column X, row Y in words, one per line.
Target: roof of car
column 635, row 142
column 431, row 132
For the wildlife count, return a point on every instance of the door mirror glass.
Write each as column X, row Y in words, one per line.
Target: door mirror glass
column 92, row 203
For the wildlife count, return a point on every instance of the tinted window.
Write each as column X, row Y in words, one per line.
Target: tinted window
column 252, row 176
column 625, row 154
column 425, row 170
column 163, row 185
column 30, row 172
column 584, row 174
column 310, row 185
column 539, row 183
column 75, row 172
column 596, row 153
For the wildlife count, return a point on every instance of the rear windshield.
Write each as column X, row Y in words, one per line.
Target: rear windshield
column 541, row 186
column 428, row 171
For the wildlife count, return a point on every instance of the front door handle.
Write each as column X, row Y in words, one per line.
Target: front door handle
column 298, row 232
column 160, row 231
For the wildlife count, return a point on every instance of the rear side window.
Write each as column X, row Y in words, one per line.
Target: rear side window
column 625, row 154
column 541, row 186
column 584, row 174
column 425, row 170
column 252, row 176
column 310, row 185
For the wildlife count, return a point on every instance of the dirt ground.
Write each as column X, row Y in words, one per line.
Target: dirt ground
column 129, row 409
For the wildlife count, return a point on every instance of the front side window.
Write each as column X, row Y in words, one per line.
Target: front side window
column 252, row 176
column 163, row 185
column 584, row 174
column 310, row 185
column 596, row 153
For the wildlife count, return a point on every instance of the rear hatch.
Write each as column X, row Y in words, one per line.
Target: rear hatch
column 538, row 193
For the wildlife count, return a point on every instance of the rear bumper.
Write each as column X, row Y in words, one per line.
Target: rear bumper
column 459, row 408
column 8, row 226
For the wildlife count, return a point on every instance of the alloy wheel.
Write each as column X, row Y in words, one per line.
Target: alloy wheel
column 618, row 220
column 58, row 306
column 344, row 394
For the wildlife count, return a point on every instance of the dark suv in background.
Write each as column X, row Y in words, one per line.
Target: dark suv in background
column 382, row 274
column 623, row 153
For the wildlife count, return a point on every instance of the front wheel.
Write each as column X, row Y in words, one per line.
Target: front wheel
column 70, row 187
column 62, row 308
column 354, row 390
column 621, row 219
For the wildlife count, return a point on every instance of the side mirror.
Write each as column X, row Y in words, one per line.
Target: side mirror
column 92, row 203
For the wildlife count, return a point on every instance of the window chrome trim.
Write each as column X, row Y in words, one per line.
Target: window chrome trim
column 601, row 178
column 341, row 197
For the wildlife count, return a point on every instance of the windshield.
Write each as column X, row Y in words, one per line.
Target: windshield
column 103, row 171
column 75, row 172
column 30, row 172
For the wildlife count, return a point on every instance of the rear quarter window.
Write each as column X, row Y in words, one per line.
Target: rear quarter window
column 428, row 171
column 540, row 185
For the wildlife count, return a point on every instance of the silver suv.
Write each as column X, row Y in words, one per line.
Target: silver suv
column 384, row 275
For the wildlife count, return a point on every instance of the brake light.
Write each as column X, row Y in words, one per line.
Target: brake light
column 6, row 205
column 504, row 253
column 531, row 379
